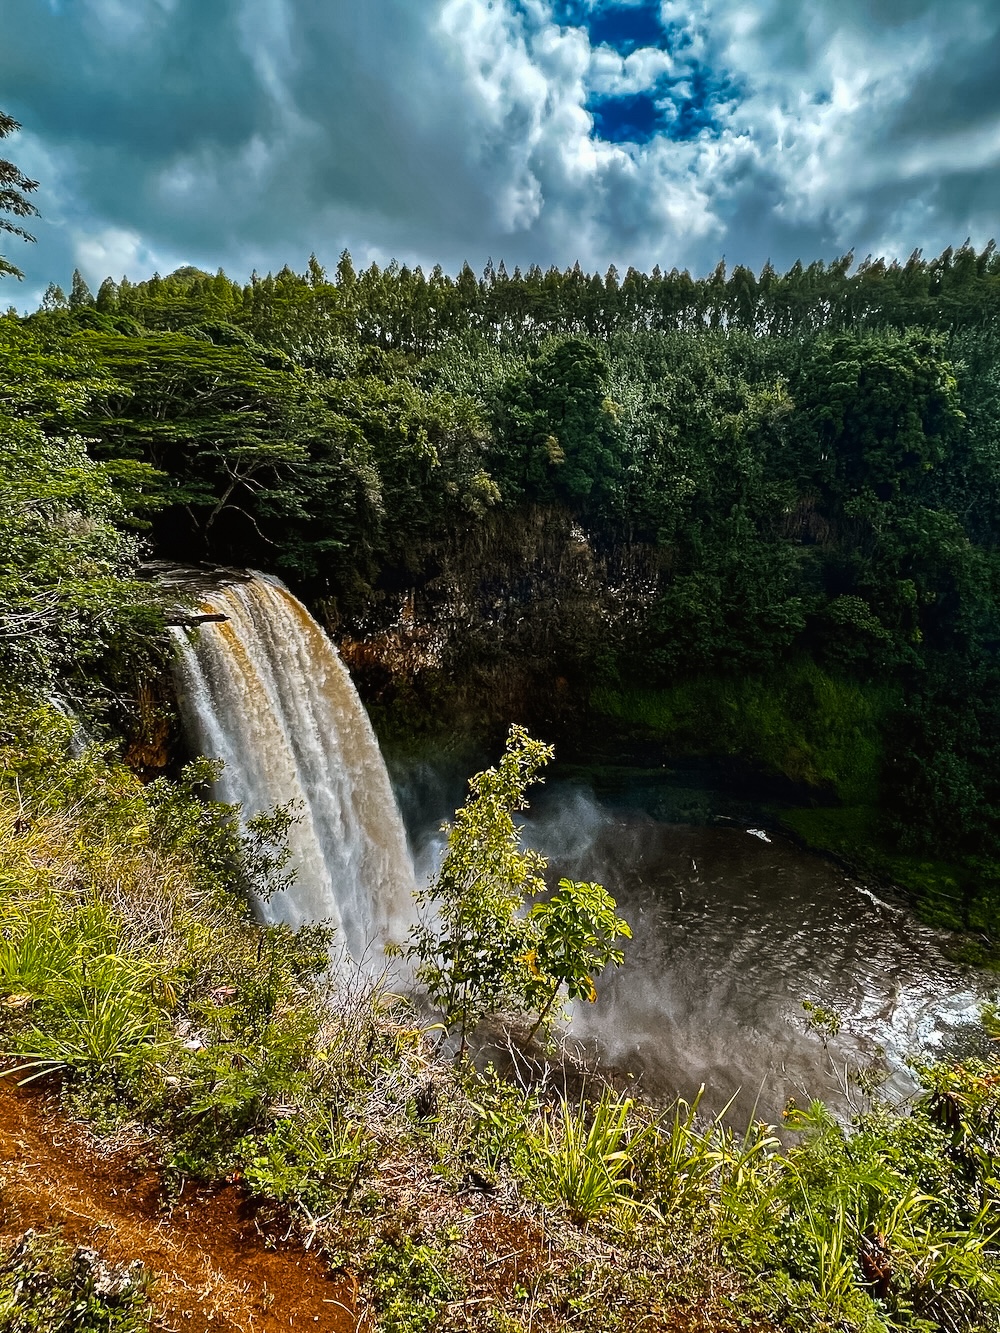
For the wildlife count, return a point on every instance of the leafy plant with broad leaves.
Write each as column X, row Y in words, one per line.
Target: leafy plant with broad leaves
column 479, row 953
column 577, row 927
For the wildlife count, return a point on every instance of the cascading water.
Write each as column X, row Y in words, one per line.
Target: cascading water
column 80, row 738
column 731, row 932
column 265, row 691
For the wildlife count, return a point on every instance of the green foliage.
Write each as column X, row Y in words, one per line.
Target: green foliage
column 700, row 480
column 557, row 422
column 808, row 724
column 496, row 1128
column 586, row 1154
column 821, row 1019
column 227, row 433
column 411, row 313
column 472, row 957
column 410, row 1284
column 96, row 1032
column 47, row 1286
column 574, row 932
column 753, row 515
column 481, row 954
column 128, row 963
column 14, row 202
column 66, row 560
column 316, row 1161
column 883, row 408
column 678, row 1165
column 881, row 1224
column 796, row 541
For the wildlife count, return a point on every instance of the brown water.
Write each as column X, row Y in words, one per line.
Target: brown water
column 266, row 692
column 733, row 928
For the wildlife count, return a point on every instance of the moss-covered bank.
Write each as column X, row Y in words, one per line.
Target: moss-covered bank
column 827, row 735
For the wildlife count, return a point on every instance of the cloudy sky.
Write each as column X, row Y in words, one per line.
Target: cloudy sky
column 248, row 133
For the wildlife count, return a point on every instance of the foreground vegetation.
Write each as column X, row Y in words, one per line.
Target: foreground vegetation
column 132, row 971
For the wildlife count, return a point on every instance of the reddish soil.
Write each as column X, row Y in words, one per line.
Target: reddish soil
column 222, row 1265
column 219, row 1266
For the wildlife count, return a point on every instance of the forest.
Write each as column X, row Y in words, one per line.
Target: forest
column 752, row 516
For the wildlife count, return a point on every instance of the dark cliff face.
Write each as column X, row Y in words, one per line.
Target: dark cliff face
column 151, row 730
column 516, row 616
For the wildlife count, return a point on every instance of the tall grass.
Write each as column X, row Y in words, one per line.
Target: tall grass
column 586, row 1155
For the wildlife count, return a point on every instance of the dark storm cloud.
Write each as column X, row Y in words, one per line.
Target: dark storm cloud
column 249, row 132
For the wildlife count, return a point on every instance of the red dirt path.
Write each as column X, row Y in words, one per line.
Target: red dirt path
column 219, row 1267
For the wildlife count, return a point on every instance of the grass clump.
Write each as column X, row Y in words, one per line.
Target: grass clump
column 48, row 1286
column 410, row 1283
column 586, row 1155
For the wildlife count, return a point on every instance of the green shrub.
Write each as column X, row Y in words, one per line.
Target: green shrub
column 410, row 1284
column 586, row 1154
column 47, row 1286
column 316, row 1161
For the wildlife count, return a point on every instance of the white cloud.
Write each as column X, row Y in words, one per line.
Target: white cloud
column 122, row 22
column 614, row 75
column 115, row 250
column 247, row 132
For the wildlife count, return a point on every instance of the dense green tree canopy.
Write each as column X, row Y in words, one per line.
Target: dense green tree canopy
column 66, row 556
column 637, row 482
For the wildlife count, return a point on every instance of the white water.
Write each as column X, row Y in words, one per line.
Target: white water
column 80, row 737
column 266, row 692
column 732, row 931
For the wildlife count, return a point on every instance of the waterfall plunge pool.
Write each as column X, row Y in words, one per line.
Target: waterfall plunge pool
column 734, row 927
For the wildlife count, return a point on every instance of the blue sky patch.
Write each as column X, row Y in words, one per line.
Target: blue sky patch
column 623, row 27
column 696, row 111
column 626, row 28
column 678, row 109
column 634, row 118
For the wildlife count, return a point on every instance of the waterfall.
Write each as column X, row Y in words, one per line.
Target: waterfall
column 265, row 691
column 79, row 737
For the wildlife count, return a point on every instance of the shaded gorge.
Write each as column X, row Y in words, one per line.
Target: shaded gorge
column 734, row 926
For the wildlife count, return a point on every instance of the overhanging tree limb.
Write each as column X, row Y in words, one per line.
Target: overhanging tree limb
column 15, row 186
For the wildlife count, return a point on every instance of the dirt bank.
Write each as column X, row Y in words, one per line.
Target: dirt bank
column 219, row 1265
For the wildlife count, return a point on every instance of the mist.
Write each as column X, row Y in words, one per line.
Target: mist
column 733, row 928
